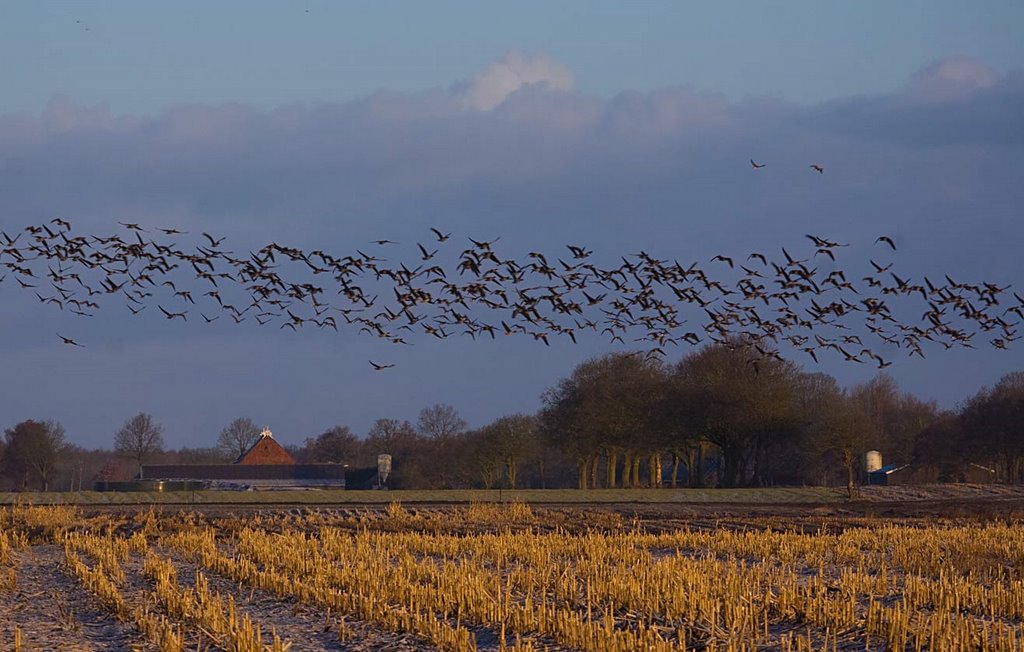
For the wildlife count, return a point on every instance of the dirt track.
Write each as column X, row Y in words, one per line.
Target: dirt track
column 893, row 503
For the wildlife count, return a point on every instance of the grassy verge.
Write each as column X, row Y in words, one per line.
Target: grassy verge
column 336, row 497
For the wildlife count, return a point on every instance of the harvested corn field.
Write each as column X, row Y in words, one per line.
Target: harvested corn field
column 496, row 577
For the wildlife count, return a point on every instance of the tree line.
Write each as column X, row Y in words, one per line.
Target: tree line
column 715, row 417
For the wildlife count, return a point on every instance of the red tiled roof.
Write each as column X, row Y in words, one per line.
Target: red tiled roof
column 266, row 451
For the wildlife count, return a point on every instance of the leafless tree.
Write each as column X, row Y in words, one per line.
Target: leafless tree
column 993, row 422
column 511, row 440
column 138, row 438
column 440, row 422
column 743, row 406
column 238, row 437
column 412, row 462
column 605, row 406
column 442, row 426
column 33, row 448
column 334, row 446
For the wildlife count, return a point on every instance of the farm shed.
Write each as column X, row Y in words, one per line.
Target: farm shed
column 923, row 474
column 252, row 476
column 893, row 474
column 266, row 465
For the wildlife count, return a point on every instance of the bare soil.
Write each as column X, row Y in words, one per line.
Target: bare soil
column 54, row 612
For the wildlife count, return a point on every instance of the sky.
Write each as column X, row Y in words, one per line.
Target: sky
column 623, row 126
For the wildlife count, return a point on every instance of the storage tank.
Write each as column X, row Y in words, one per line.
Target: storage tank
column 383, row 469
column 872, row 461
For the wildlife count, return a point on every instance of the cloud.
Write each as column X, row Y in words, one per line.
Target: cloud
column 515, row 71
column 394, row 161
column 952, row 101
column 950, row 79
column 516, row 153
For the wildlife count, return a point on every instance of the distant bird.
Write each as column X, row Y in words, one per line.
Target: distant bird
column 484, row 244
column 427, row 255
column 383, row 242
column 213, row 242
column 579, row 252
column 642, row 294
column 817, row 168
column 887, row 240
column 172, row 315
column 69, row 341
column 757, row 166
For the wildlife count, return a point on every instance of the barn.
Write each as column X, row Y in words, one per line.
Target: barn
column 266, row 465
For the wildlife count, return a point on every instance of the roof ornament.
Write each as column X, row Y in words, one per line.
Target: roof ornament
column 266, row 433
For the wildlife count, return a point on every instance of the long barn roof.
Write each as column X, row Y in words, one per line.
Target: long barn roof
column 243, row 471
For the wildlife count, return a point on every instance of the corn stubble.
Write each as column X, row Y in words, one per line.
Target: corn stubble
column 877, row 586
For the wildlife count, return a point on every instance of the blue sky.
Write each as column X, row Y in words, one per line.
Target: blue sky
column 619, row 126
column 143, row 56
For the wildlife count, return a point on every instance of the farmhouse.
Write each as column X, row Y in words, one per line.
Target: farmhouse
column 266, row 465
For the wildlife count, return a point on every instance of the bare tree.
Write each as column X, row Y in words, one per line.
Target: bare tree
column 443, row 426
column 993, row 421
column 139, row 438
column 33, row 449
column 334, row 446
column 238, row 437
column 440, row 422
column 511, row 439
column 607, row 406
column 742, row 408
column 850, row 433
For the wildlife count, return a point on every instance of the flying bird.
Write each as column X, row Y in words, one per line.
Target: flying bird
column 441, row 237
column 213, row 242
column 380, row 367
column 69, row 341
column 817, row 168
column 757, row 166
column 427, row 255
column 172, row 315
column 887, row 240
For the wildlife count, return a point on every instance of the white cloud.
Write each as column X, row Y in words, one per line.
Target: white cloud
column 515, row 71
column 952, row 78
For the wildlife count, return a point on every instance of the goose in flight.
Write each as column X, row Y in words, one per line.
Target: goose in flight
column 69, row 341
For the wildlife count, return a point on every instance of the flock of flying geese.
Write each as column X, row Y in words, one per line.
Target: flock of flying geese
column 766, row 304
